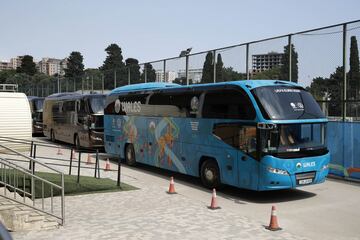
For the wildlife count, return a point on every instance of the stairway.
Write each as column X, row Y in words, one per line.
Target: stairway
column 19, row 217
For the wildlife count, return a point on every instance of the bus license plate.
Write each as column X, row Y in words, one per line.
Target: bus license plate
column 305, row 181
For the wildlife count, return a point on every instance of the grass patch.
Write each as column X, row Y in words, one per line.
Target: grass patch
column 86, row 185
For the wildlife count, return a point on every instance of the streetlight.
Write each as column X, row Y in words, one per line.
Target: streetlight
column 185, row 53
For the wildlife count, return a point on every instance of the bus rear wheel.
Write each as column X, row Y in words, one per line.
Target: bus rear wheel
column 130, row 155
column 210, row 174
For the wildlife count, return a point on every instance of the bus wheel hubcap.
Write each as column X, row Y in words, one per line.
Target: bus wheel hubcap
column 209, row 174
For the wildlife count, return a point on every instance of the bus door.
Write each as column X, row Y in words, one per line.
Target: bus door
column 238, row 162
column 248, row 165
column 80, row 122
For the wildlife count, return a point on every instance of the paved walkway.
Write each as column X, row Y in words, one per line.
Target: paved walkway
column 150, row 213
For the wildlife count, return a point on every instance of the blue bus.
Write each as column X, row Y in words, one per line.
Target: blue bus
column 259, row 135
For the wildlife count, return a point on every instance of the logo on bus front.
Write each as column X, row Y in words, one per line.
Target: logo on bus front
column 298, row 165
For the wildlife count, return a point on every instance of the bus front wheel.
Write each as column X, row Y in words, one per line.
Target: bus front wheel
column 210, row 174
column 130, row 155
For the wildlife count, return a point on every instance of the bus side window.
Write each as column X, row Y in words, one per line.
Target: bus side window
column 69, row 111
column 183, row 102
column 238, row 136
column 228, row 104
column 81, row 111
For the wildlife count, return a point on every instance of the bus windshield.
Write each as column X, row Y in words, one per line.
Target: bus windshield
column 97, row 104
column 39, row 105
column 294, row 139
column 286, row 103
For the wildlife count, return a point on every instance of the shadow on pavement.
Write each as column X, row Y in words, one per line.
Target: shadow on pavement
column 240, row 196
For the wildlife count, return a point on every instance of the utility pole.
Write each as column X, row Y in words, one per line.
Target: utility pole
column 114, row 78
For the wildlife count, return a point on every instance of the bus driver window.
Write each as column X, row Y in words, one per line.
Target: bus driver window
column 247, row 139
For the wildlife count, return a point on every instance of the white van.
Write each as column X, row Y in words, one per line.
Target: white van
column 15, row 120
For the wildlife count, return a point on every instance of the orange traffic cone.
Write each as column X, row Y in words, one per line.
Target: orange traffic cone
column 107, row 165
column 171, row 186
column 73, row 154
column 89, row 159
column 59, row 152
column 273, row 226
column 213, row 205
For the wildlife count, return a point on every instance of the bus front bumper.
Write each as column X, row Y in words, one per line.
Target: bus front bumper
column 293, row 174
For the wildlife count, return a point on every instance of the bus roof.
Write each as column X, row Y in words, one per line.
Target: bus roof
column 144, row 86
column 250, row 84
column 30, row 98
column 71, row 95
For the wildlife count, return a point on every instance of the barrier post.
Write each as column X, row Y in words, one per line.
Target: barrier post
column 96, row 162
column 34, row 158
column 78, row 175
column 31, row 148
column 71, row 158
column 119, row 172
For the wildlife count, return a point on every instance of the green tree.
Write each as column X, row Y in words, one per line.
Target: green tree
column 219, row 69
column 75, row 68
column 208, row 69
column 285, row 64
column 229, row 74
column 329, row 89
column 319, row 88
column 27, row 66
column 273, row 73
column 150, row 73
column 114, row 67
column 132, row 66
column 5, row 75
column 93, row 76
column 354, row 74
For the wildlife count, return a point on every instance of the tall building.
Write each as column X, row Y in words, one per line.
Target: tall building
column 16, row 62
column 5, row 65
column 262, row 62
column 194, row 74
column 169, row 76
column 52, row 66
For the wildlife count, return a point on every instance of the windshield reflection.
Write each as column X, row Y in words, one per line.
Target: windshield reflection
column 291, row 138
column 97, row 104
column 39, row 105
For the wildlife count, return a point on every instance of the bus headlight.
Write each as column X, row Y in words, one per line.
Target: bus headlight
column 277, row 171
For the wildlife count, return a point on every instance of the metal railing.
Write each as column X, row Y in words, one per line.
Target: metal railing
column 8, row 87
column 34, row 145
column 15, row 178
column 306, row 56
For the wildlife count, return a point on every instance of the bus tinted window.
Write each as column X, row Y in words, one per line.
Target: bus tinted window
column 282, row 102
column 69, row 106
column 39, row 104
column 97, row 104
column 238, row 136
column 228, row 104
column 174, row 104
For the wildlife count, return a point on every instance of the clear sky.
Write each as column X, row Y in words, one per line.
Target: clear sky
column 151, row 30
